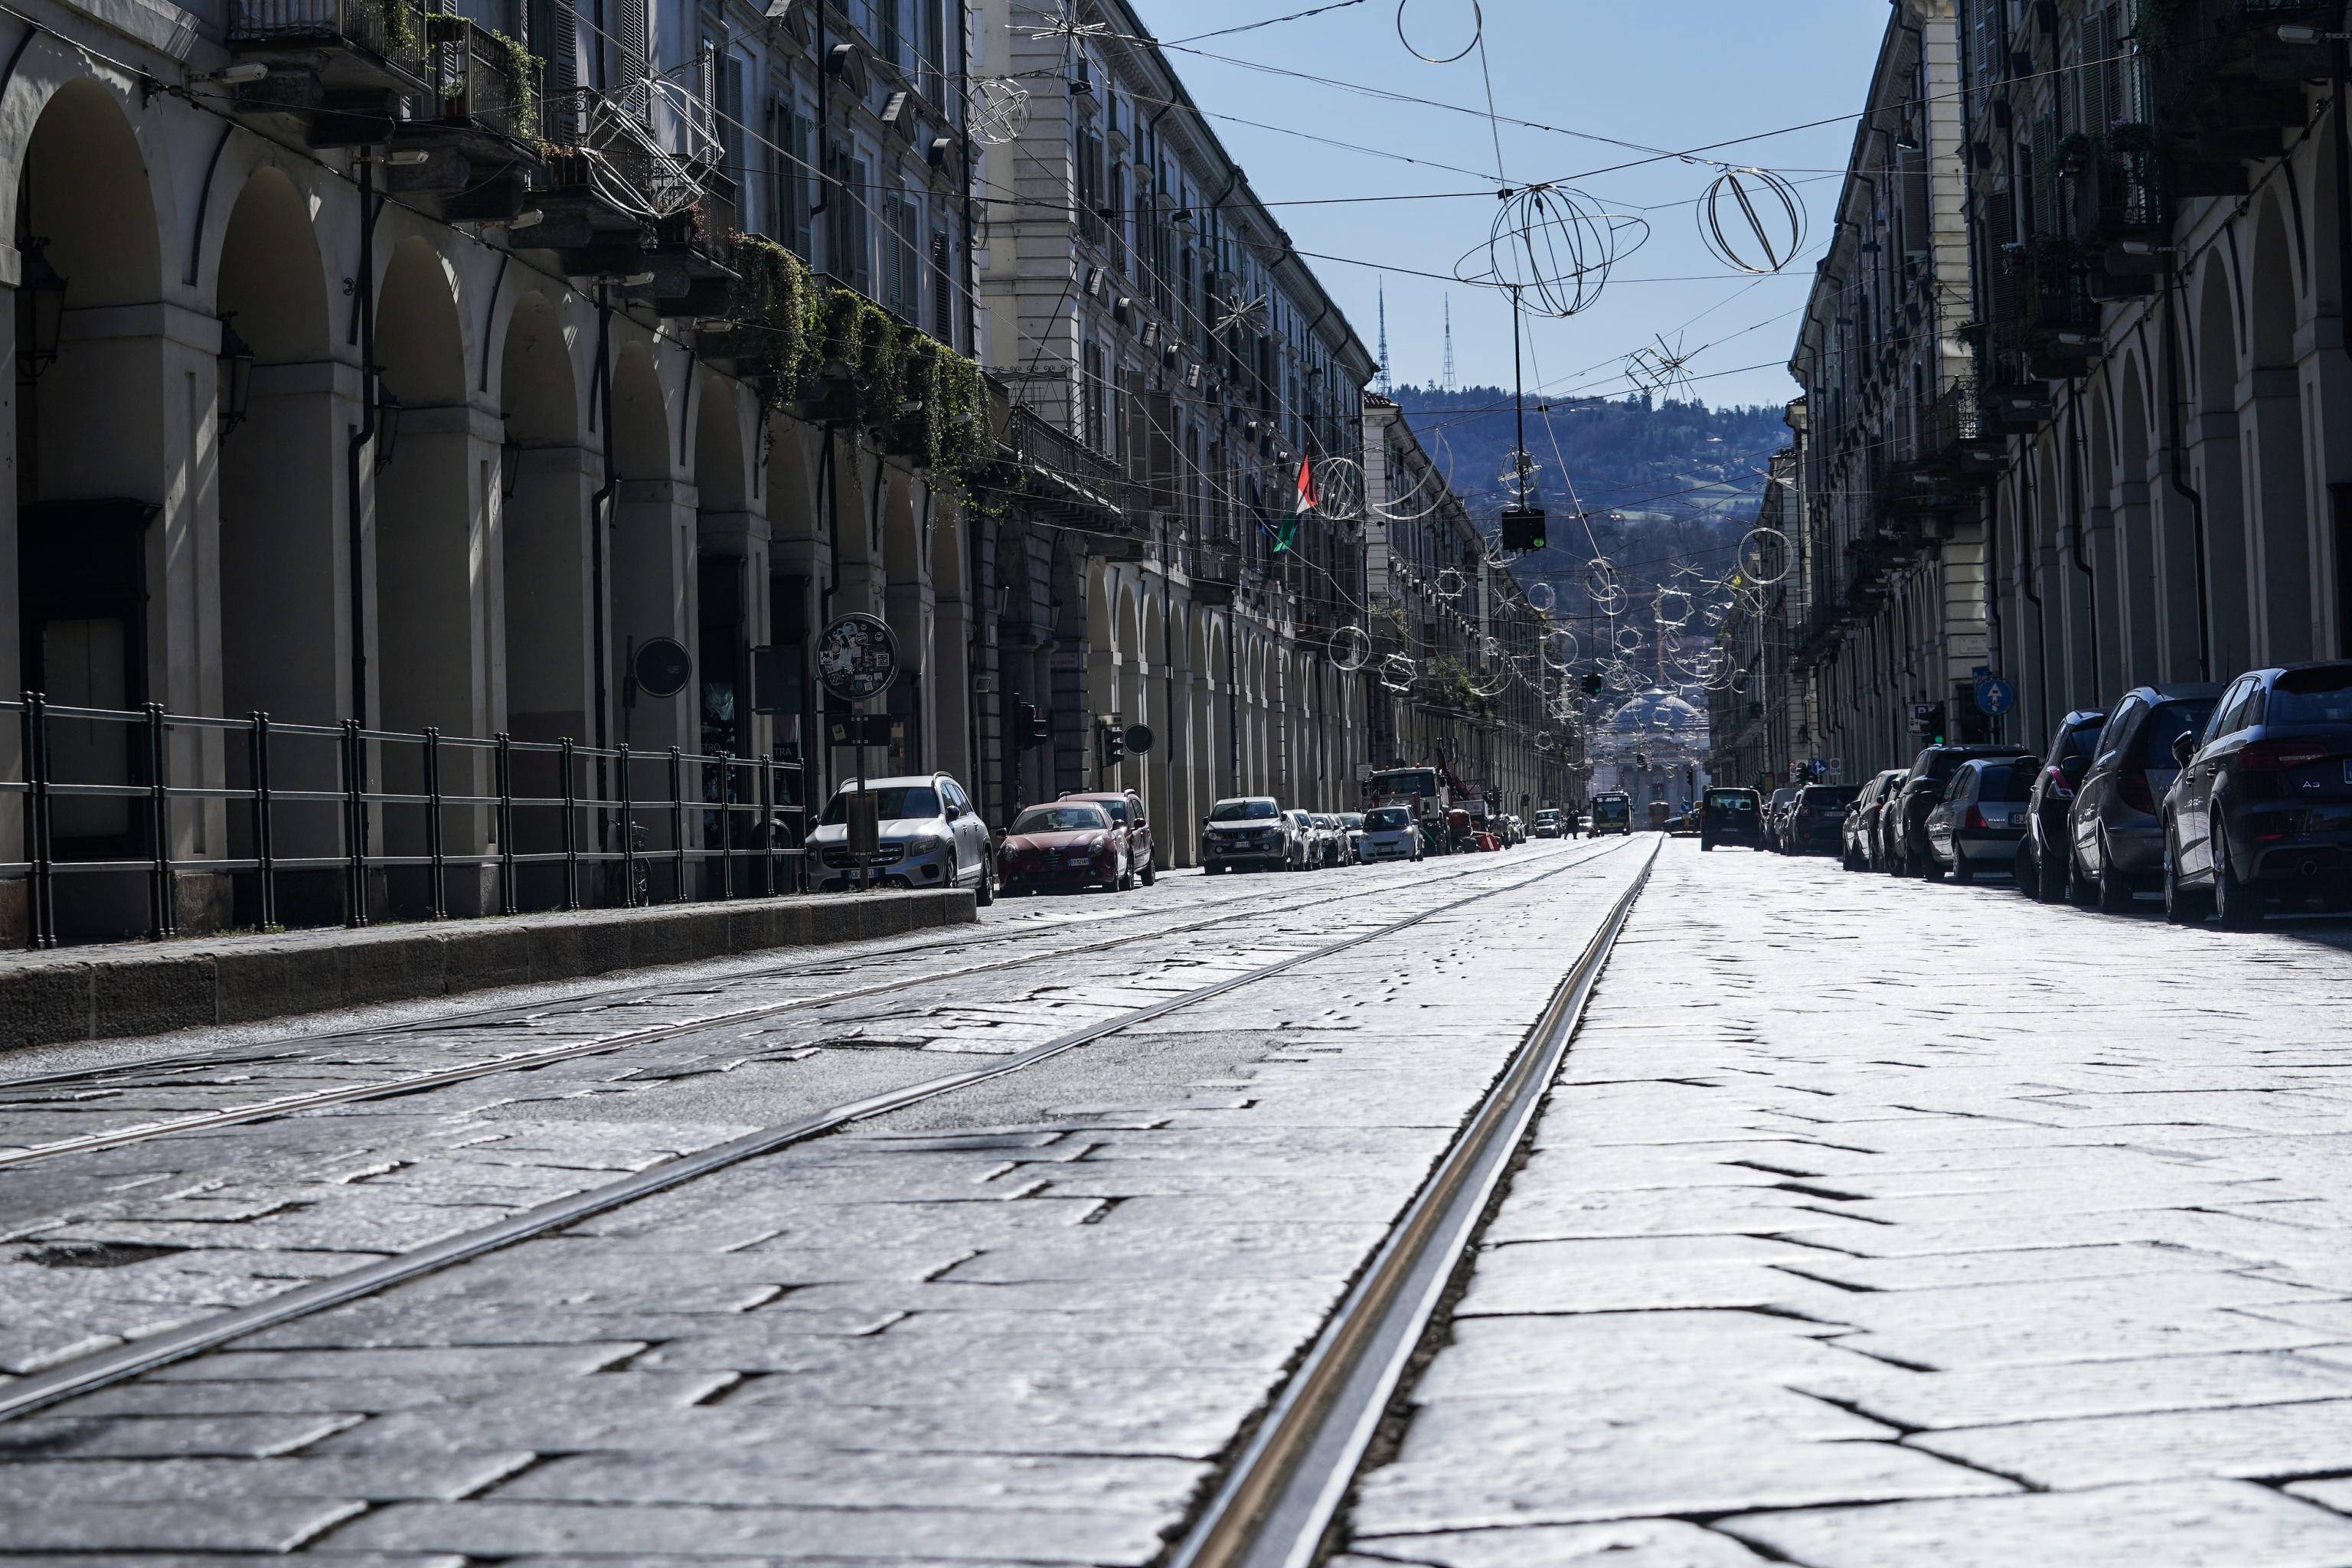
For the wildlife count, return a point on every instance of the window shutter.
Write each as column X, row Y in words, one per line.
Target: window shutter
column 562, row 49
column 629, row 35
column 943, row 289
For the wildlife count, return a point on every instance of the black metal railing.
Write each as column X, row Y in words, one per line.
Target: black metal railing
column 398, row 822
column 477, row 81
column 392, row 30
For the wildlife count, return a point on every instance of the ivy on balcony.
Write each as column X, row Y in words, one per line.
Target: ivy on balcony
column 804, row 339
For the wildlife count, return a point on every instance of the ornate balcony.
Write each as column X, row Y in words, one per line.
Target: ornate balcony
column 2224, row 86
column 479, row 117
column 344, row 70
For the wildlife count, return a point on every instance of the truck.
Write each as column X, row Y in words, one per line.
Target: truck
column 1423, row 790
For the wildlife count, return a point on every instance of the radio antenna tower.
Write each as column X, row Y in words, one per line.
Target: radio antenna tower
column 1387, row 381
column 1451, row 385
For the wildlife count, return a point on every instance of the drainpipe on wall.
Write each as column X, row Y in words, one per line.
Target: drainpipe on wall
column 600, row 511
column 365, row 304
column 2025, row 571
column 2082, row 549
column 2178, row 464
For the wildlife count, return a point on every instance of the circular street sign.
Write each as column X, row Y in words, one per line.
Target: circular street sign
column 857, row 656
column 1138, row 738
column 1995, row 697
column 662, row 667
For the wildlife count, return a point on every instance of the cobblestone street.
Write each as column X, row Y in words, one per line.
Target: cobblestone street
column 1832, row 1245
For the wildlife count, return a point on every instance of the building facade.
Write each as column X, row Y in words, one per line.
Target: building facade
column 1459, row 680
column 2109, row 404
column 1173, row 365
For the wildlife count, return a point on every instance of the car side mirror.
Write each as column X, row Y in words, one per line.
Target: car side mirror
column 2184, row 747
column 2073, row 769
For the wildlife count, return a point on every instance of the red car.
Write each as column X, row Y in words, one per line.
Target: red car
column 1126, row 808
column 1070, row 844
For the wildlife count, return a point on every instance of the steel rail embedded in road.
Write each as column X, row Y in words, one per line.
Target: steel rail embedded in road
column 524, row 1061
column 89, row 1374
column 1281, row 1495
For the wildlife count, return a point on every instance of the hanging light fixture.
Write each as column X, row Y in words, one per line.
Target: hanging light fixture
column 510, row 467
column 387, row 426
column 41, row 309
column 236, row 377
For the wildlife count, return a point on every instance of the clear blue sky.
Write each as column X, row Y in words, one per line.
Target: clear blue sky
column 1667, row 74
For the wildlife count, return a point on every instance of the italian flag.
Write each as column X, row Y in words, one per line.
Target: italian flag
column 1300, row 507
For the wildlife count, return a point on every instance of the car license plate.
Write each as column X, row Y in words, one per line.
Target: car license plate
column 2017, row 819
column 1078, row 860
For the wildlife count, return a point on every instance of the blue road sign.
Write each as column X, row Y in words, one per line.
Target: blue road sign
column 1995, row 695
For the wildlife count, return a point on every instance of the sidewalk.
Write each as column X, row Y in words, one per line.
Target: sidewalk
column 144, row 988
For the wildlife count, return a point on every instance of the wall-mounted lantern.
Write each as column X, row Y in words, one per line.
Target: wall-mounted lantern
column 41, row 309
column 236, row 377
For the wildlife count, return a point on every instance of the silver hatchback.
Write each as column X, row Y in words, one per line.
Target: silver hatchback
column 929, row 837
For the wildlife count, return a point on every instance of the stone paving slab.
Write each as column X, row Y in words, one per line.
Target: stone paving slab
column 1876, row 1222
column 915, row 1342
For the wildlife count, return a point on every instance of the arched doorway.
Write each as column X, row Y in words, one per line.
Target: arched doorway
column 2279, row 508
column 105, row 579
column 286, row 646
column 430, row 625
column 2227, row 614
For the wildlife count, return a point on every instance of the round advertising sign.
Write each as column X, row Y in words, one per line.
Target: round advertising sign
column 857, row 656
column 1138, row 738
column 662, row 667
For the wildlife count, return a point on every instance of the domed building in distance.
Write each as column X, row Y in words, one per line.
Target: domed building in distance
column 1654, row 748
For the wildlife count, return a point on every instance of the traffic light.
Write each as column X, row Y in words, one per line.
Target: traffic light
column 1592, row 685
column 1032, row 726
column 1111, row 742
column 1523, row 528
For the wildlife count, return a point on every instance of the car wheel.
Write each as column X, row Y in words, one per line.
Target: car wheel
column 983, row 892
column 1930, row 868
column 1962, row 872
column 2239, row 906
column 1126, row 883
column 2182, row 906
column 2021, row 872
column 1150, row 872
column 2109, row 892
column 1704, row 845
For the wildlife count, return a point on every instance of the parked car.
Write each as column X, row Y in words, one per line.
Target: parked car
column 1125, row 808
column 1329, row 841
column 1305, row 847
column 1817, row 819
column 1860, row 830
column 1730, row 816
column 2261, row 809
column 1245, row 831
column 1977, row 823
column 1391, row 833
column 1352, row 823
column 2040, row 869
column 2115, row 829
column 1548, row 823
column 927, row 835
column 1071, row 843
column 1612, row 812
column 1903, row 822
column 1771, row 817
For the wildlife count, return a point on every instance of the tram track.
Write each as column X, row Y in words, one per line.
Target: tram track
column 99, row 1369
column 108, row 1078
column 1279, row 1498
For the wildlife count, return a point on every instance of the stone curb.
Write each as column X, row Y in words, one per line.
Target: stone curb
column 108, row 994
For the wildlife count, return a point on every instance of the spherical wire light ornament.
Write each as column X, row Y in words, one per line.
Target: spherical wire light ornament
column 1764, row 556
column 1673, row 607
column 1751, row 220
column 1544, row 742
column 998, row 111
column 1559, row 649
column 1451, row 584
column 1339, row 489
column 1350, row 648
column 1490, row 681
column 1551, row 248
column 1397, row 673
column 1543, row 598
column 1628, row 639
column 1477, row 32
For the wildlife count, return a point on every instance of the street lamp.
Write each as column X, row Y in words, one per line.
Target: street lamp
column 236, row 377
column 41, row 310
column 387, row 426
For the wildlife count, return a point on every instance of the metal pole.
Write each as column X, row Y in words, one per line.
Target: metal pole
column 41, row 921
column 571, row 830
column 677, row 822
column 264, row 852
column 726, row 824
column 508, row 903
column 437, row 904
column 628, row 837
column 355, row 816
column 159, row 888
